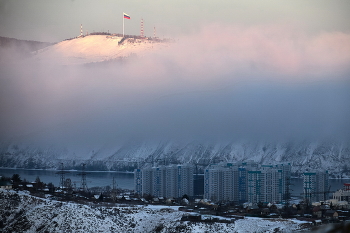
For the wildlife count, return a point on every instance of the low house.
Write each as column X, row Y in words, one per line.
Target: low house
column 265, row 211
column 253, row 209
column 331, row 215
column 5, row 185
column 191, row 217
column 30, row 187
column 317, row 212
column 317, row 222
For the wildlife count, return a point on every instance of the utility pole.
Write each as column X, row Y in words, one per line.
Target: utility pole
column 114, row 190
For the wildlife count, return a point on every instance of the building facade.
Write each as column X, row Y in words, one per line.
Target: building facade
column 315, row 186
column 343, row 194
column 247, row 182
column 165, row 181
column 269, row 183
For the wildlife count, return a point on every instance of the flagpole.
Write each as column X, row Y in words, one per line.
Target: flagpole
column 123, row 24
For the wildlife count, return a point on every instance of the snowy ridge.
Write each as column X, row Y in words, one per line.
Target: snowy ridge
column 95, row 48
column 302, row 156
column 24, row 213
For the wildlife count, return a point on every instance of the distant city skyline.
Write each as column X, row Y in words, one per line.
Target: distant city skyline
column 54, row 21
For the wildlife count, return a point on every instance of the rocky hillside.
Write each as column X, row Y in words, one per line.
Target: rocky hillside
column 21, row 212
column 302, row 156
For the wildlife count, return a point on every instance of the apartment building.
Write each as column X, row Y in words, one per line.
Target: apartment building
column 165, row 181
column 246, row 182
column 315, row 186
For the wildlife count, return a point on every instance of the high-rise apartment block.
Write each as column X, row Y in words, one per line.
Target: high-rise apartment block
column 315, row 186
column 165, row 181
column 247, row 182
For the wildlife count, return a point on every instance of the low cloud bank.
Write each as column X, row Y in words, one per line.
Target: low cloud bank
column 223, row 83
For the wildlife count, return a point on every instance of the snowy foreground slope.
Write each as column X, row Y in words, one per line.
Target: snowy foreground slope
column 95, row 48
column 302, row 156
column 24, row 213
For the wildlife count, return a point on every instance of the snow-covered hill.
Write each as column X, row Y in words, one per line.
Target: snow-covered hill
column 24, row 213
column 331, row 156
column 96, row 48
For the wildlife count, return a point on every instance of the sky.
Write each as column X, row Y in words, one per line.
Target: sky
column 239, row 70
column 54, row 21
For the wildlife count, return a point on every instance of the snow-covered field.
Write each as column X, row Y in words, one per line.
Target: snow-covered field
column 24, row 213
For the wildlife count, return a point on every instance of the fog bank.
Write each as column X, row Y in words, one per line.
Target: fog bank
column 220, row 84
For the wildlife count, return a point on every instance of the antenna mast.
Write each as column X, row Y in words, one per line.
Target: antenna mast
column 142, row 32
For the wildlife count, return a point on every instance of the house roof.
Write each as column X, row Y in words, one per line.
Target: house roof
column 330, row 212
column 5, row 183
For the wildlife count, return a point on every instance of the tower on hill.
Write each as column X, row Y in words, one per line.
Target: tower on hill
column 142, row 32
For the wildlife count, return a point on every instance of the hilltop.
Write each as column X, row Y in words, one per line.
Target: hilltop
column 24, row 46
column 98, row 48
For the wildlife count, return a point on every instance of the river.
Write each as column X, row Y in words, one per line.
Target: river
column 124, row 180
column 93, row 179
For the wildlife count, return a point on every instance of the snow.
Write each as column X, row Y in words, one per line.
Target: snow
column 95, row 48
column 297, row 154
column 262, row 225
column 30, row 214
column 159, row 207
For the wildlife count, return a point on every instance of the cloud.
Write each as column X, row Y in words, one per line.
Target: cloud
column 223, row 83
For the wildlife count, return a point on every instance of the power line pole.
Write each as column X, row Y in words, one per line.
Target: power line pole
column 83, row 186
column 62, row 177
column 114, row 190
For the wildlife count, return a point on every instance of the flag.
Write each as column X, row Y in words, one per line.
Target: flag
column 126, row 16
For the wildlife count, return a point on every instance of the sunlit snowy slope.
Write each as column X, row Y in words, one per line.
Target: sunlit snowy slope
column 96, row 48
